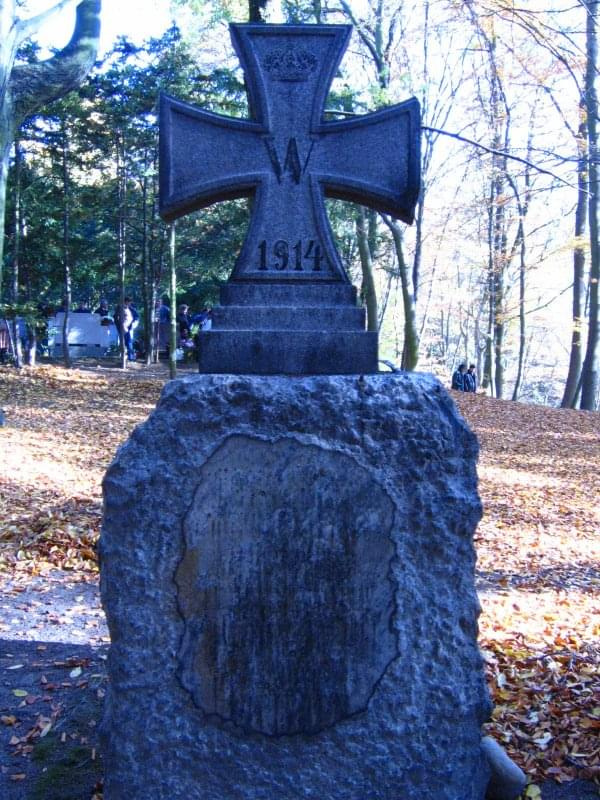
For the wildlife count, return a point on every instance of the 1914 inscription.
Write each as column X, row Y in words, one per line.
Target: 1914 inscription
column 299, row 257
column 288, row 606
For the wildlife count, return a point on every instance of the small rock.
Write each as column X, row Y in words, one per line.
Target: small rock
column 507, row 780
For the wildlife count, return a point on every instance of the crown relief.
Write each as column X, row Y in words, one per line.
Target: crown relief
column 290, row 64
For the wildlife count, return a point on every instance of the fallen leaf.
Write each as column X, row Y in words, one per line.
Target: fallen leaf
column 533, row 791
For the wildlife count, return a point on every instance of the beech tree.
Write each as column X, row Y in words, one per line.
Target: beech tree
column 575, row 54
column 591, row 366
column 24, row 88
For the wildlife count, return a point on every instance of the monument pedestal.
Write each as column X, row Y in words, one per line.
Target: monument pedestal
column 288, row 329
column 288, row 577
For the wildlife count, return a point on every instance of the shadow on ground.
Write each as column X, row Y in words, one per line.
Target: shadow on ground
column 62, row 685
column 50, row 706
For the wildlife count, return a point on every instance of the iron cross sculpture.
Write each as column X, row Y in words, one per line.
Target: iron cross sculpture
column 288, row 158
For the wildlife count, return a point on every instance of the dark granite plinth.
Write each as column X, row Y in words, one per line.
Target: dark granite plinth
column 286, row 318
column 238, row 293
column 291, row 352
column 293, row 329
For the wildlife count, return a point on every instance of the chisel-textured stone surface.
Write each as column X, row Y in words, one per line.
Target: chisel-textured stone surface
column 287, row 571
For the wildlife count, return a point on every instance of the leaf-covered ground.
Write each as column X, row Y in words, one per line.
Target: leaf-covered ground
column 538, row 553
column 539, row 582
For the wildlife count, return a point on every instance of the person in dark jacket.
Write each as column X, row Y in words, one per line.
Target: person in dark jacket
column 470, row 379
column 102, row 309
column 162, row 325
column 458, row 379
column 184, row 321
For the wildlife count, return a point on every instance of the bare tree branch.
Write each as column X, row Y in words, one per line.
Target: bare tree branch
column 28, row 27
column 502, row 153
column 35, row 84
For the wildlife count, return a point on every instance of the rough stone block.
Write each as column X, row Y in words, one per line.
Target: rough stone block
column 287, row 572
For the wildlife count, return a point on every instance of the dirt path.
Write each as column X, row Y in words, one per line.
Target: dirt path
column 53, row 646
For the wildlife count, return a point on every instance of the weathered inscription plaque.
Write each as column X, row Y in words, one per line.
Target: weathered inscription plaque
column 288, row 601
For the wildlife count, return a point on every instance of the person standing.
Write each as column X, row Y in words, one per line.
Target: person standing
column 470, row 379
column 124, row 320
column 162, row 333
column 102, row 309
column 4, row 340
column 184, row 322
column 458, row 378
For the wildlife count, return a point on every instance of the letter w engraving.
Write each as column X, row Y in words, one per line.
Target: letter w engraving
column 291, row 165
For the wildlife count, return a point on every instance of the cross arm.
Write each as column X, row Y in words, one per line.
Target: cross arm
column 205, row 157
column 374, row 159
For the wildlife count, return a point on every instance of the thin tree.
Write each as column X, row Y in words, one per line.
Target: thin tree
column 66, row 238
column 590, row 378
column 572, row 384
column 173, row 300
column 16, row 256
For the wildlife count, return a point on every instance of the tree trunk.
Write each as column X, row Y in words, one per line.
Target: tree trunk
column 173, row 299
column 499, row 255
column 522, row 326
column 488, row 356
column 26, row 87
column 6, row 139
column 255, row 10
column 410, row 349
column 499, row 338
column 478, row 349
column 591, row 364
column 570, row 394
column 416, row 269
column 17, row 253
column 32, row 347
column 498, row 114
column 67, row 298
column 147, row 277
column 368, row 292
column 486, row 378
column 121, row 245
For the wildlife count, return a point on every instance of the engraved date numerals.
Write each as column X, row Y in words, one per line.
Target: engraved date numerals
column 300, row 257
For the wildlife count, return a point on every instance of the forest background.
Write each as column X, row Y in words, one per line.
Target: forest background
column 501, row 267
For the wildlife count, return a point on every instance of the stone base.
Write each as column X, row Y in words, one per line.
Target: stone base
column 288, row 329
column 287, row 352
column 288, row 578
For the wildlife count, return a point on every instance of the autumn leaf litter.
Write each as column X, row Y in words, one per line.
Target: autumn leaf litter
column 538, row 555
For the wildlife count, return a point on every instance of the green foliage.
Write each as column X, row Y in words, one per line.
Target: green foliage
column 106, row 137
column 29, row 312
column 66, row 769
column 107, row 133
column 301, row 12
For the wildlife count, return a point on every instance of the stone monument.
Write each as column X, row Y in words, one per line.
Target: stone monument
column 287, row 564
column 289, row 307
